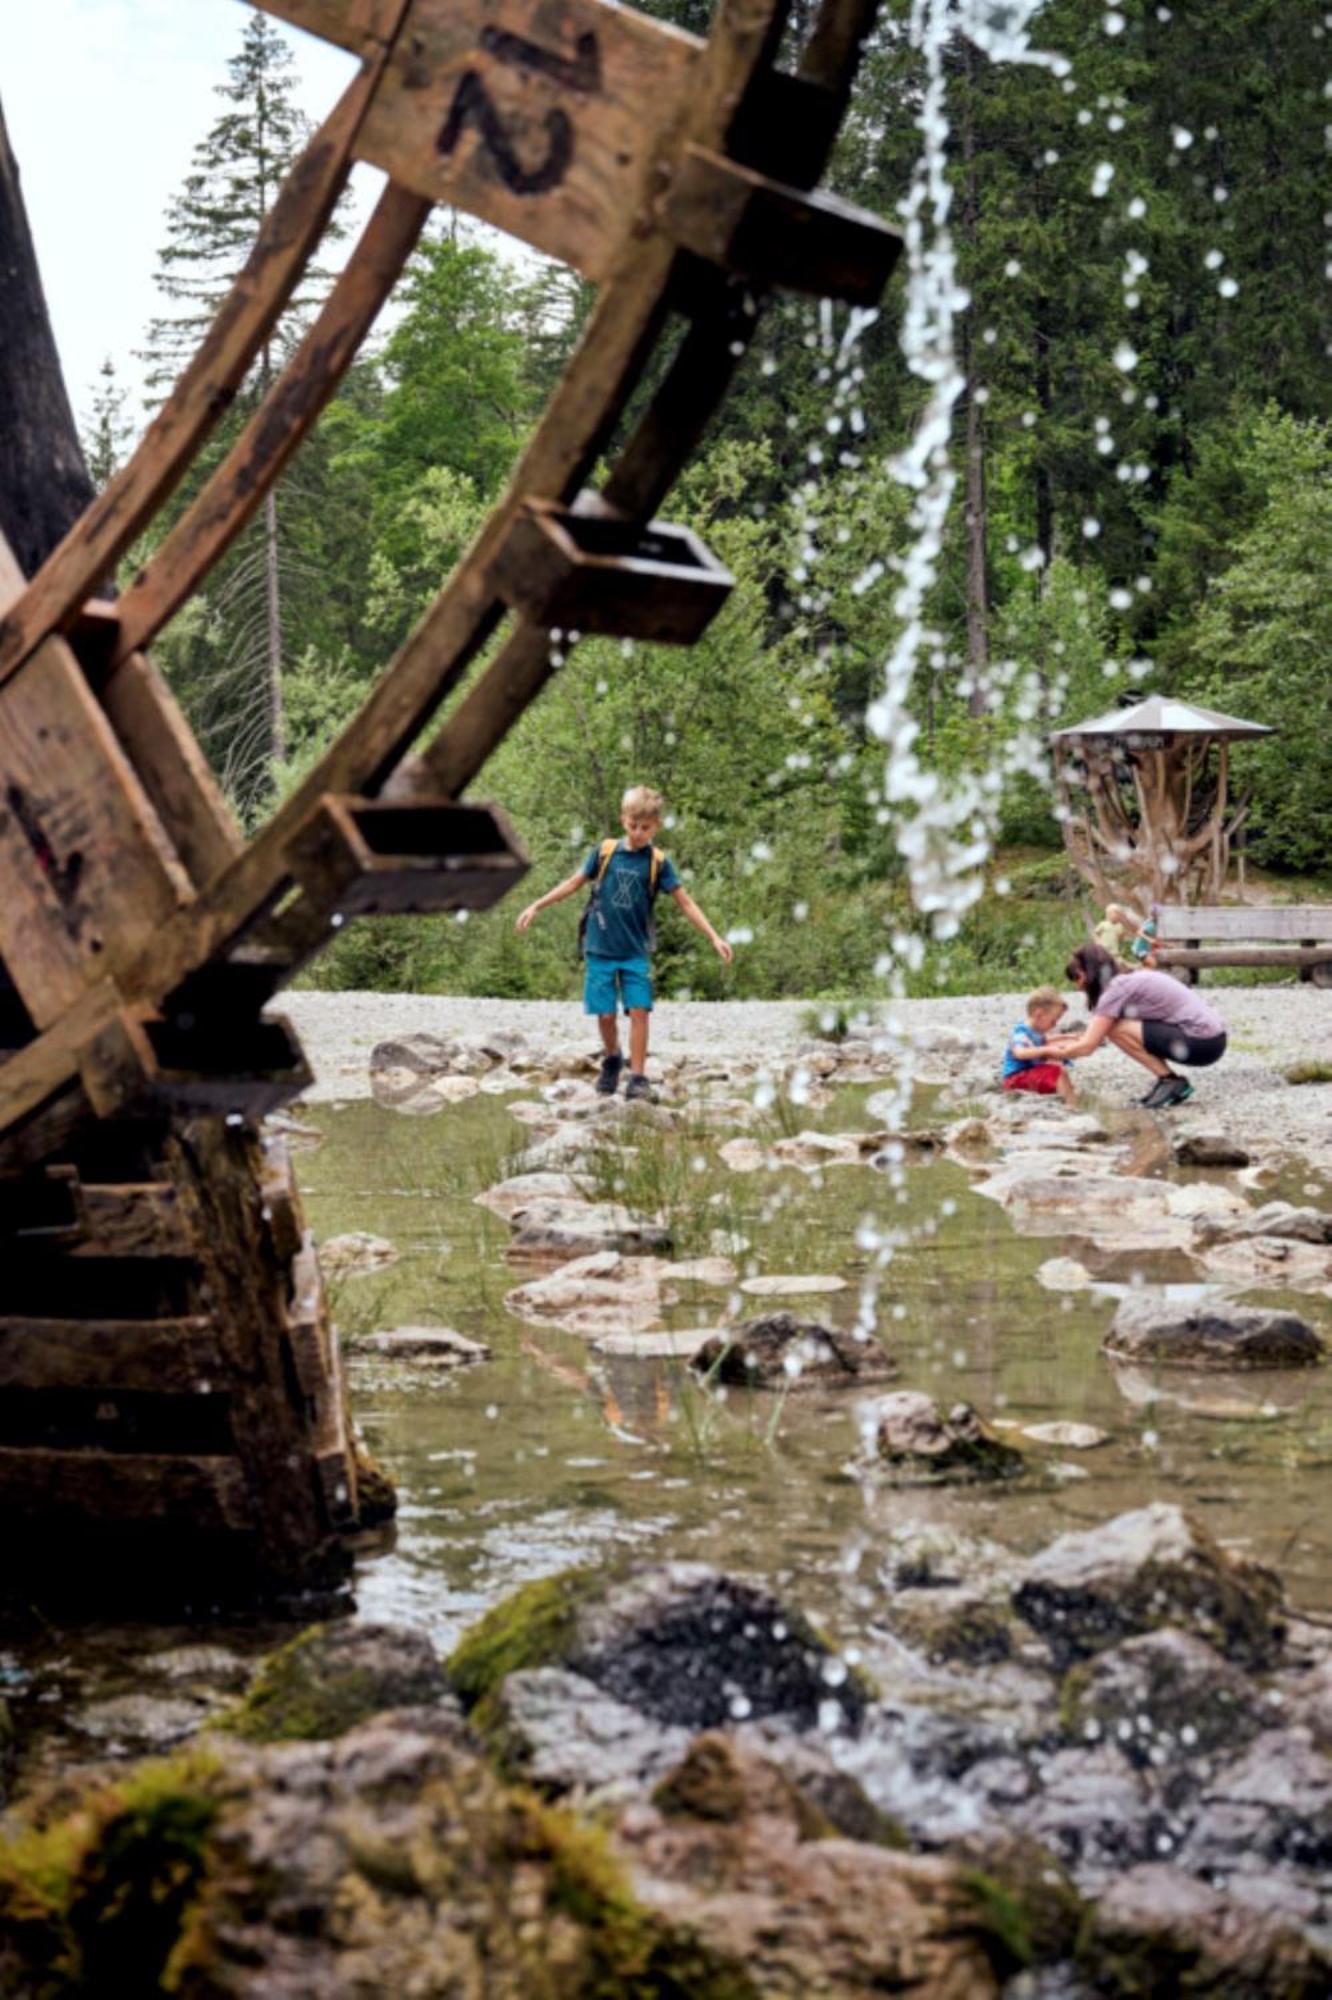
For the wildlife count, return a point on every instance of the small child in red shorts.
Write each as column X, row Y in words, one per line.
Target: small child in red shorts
column 1024, row 1068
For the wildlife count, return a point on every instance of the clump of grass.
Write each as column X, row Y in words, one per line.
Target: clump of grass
column 835, row 1020
column 1309, row 1072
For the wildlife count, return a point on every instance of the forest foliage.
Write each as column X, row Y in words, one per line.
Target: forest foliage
column 1143, row 447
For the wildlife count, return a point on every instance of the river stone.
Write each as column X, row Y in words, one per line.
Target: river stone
column 779, row 1351
column 912, row 1434
column 742, row 1156
column 604, row 1293
column 403, row 1069
column 202, row 1668
column 356, row 1253
column 1161, row 1931
column 332, row 1677
column 1097, row 1586
column 1166, row 1698
column 1068, row 1436
column 812, row 1150
column 562, row 1229
column 790, row 1287
column 681, row 1643
column 1210, row 1333
column 740, row 1855
column 437, row 1346
column 135, row 1725
column 1063, row 1274
column 560, row 1731
column 1205, row 1146
column 1275, row 1218
column 521, row 1189
column 1272, row 1805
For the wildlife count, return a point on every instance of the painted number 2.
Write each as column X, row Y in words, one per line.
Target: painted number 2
column 473, row 105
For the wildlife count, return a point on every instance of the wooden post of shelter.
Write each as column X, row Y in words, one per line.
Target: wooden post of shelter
column 1146, row 801
column 168, row 1380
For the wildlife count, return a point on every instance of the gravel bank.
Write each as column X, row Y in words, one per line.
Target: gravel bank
column 1270, row 1028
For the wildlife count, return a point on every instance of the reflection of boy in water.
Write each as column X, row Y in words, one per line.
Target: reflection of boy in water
column 1026, row 1066
column 620, row 934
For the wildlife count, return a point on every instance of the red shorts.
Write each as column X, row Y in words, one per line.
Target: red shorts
column 1043, row 1078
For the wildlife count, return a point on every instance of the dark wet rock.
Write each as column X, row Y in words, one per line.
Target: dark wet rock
column 1157, row 1930
column 571, row 1229
column 915, row 1437
column 1280, row 1219
column 424, row 1346
column 1204, row 1146
column 1165, row 1698
column 561, row 1732
column 403, row 1071
column 1271, row 1805
column 1144, row 1570
column 332, row 1677
column 1309, row 1696
column 1210, row 1333
column 681, row 1644
column 779, row 1351
column 733, row 1850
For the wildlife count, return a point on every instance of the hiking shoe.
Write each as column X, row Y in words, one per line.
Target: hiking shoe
column 1156, row 1095
column 608, row 1082
column 639, row 1090
column 1180, row 1091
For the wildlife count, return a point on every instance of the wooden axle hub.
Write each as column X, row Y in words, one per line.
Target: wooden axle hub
column 141, row 934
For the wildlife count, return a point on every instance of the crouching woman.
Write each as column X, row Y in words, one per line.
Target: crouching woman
column 1151, row 1017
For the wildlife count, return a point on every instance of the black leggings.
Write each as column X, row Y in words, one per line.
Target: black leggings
column 1173, row 1045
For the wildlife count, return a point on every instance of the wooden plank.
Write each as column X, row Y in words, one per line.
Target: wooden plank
column 1277, row 954
column 234, row 1067
column 1246, row 923
column 359, row 25
column 89, row 873
column 174, row 772
column 286, row 415
column 597, row 573
column 538, row 116
column 161, row 1356
column 289, row 234
column 139, row 1220
column 67, row 1488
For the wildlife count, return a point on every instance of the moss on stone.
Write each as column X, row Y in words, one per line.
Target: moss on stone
column 329, row 1678
column 93, row 1898
column 376, row 1495
column 533, row 1628
column 1001, row 1920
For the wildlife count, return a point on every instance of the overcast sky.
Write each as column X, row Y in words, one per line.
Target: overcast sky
column 105, row 101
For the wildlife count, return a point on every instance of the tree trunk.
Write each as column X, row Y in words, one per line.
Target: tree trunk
column 44, row 483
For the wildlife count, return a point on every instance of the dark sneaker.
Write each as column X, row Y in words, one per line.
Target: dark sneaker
column 1181, row 1090
column 608, row 1082
column 639, row 1090
column 1156, row 1095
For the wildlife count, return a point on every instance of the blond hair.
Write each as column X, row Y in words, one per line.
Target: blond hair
column 1043, row 999
column 642, row 799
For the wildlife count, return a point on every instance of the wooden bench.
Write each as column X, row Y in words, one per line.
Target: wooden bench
column 1189, row 938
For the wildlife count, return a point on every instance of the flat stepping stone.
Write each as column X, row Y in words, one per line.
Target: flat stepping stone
column 790, row 1287
column 1210, row 1333
column 356, row 1253
column 664, row 1344
column 1063, row 1274
column 438, row 1346
column 1069, row 1436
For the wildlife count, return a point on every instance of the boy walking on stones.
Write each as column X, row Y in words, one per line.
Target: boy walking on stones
column 626, row 876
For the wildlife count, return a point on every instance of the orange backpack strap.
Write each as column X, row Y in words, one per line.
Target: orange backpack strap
column 608, row 848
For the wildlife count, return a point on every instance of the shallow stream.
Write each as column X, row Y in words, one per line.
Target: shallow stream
column 549, row 1454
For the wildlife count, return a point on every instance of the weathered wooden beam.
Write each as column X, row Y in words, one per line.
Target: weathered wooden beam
column 53, row 1488
column 589, row 572
column 359, row 857
column 1246, row 923
column 160, row 1356
column 1313, row 954
column 240, row 1068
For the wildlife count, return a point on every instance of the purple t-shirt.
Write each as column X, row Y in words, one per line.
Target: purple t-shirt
column 1155, row 996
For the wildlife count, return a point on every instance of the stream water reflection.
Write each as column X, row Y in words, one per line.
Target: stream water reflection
column 549, row 1455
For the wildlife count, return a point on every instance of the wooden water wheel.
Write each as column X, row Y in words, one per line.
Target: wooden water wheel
column 171, row 1390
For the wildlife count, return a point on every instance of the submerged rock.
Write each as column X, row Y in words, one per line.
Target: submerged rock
column 681, row 1643
column 1210, row 1333
column 432, row 1346
column 913, row 1435
column 1154, row 1567
column 1202, row 1146
column 782, row 1285
column 332, row 1677
column 356, row 1253
column 403, row 1072
column 779, row 1351
column 522, row 1189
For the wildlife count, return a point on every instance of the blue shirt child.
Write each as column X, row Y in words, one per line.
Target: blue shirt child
column 620, row 923
column 1030, row 1037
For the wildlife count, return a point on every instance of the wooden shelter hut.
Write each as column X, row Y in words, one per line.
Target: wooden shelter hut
column 1147, row 807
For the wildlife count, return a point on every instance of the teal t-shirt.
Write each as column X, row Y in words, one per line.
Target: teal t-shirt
column 620, row 923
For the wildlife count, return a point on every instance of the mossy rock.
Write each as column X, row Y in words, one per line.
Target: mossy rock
column 919, row 1441
column 376, row 1495
column 955, row 1625
column 93, row 1895
column 532, row 1628
column 329, row 1678
column 718, row 1782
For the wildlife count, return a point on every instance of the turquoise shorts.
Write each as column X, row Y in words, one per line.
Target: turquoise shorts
column 608, row 980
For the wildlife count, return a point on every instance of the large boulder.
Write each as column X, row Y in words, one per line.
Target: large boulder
column 779, row 1351
column 1209, row 1333
column 1144, row 1570
column 681, row 1644
column 1159, row 1930
column 913, row 1435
